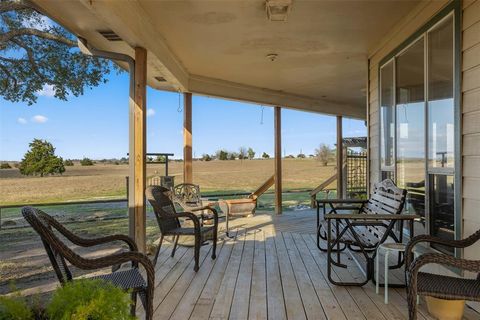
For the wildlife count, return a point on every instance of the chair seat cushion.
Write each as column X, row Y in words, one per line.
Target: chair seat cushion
column 127, row 279
column 448, row 287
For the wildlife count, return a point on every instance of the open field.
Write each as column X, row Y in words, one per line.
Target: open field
column 107, row 181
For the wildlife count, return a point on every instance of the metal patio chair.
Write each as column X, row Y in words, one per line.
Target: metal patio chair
column 440, row 286
column 168, row 221
column 59, row 253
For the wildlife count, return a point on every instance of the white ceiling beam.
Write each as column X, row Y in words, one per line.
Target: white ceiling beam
column 235, row 91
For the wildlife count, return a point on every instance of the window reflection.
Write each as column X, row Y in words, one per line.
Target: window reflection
column 410, row 126
column 387, row 115
column 440, row 94
column 442, row 200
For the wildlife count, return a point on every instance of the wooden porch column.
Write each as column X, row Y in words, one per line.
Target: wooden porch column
column 138, row 151
column 339, row 158
column 187, row 138
column 278, row 160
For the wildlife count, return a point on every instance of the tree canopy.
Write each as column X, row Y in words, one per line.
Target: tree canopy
column 41, row 160
column 36, row 53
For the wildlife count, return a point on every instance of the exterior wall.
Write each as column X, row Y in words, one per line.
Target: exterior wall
column 471, row 122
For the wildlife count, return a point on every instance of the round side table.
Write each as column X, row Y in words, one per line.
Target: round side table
column 387, row 248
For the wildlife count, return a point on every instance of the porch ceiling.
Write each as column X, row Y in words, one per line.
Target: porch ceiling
column 219, row 48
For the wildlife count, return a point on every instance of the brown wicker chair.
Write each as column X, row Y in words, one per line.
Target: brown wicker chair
column 439, row 286
column 59, row 253
column 169, row 224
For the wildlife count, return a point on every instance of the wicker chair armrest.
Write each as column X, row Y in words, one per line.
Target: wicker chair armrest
column 443, row 259
column 430, row 239
column 85, row 242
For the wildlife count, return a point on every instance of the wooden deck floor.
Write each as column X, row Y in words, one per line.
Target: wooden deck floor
column 272, row 269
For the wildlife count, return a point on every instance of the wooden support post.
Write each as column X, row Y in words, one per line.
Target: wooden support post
column 187, row 138
column 339, row 158
column 278, row 160
column 138, row 151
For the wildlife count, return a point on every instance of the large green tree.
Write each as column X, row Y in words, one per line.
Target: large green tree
column 36, row 53
column 41, row 160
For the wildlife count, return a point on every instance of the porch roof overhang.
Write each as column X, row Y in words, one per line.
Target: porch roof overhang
column 220, row 48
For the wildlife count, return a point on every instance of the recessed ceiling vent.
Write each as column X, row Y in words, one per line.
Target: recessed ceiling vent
column 278, row 10
column 160, row 79
column 110, row 35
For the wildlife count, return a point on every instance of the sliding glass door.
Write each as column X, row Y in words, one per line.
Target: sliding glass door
column 417, row 126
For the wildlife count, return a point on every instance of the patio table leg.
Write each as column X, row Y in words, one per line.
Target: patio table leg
column 387, row 252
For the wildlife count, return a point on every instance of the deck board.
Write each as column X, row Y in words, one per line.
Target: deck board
column 271, row 269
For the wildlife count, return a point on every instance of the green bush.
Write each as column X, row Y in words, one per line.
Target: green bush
column 14, row 308
column 89, row 299
column 41, row 160
column 86, row 162
column 68, row 163
column 84, row 299
column 5, row 165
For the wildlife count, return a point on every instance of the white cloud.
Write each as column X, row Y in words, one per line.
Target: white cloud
column 22, row 120
column 47, row 91
column 39, row 119
column 150, row 112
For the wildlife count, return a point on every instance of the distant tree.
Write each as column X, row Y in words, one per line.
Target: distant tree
column 265, row 155
column 290, row 156
column 149, row 159
column 161, row 159
column 5, row 165
column 123, row 160
column 36, row 53
column 251, row 153
column 301, row 156
column 222, row 155
column 242, row 153
column 41, row 160
column 68, row 163
column 323, row 154
column 232, row 156
column 86, row 162
column 206, row 157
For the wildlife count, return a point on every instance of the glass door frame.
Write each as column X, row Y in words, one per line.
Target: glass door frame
column 451, row 10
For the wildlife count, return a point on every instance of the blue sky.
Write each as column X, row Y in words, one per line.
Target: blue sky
column 95, row 125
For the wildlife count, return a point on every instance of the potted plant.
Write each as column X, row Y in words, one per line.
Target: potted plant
column 84, row 299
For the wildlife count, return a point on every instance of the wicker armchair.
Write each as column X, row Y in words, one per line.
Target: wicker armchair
column 169, row 224
column 130, row 279
column 439, row 286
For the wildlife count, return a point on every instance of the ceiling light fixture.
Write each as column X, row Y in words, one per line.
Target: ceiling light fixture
column 272, row 56
column 278, row 10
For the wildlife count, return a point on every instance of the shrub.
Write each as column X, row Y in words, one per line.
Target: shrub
column 89, row 299
column 251, row 153
column 222, row 155
column 68, row 163
column 5, row 165
column 14, row 307
column 301, row 156
column 265, row 155
column 206, row 157
column 86, row 162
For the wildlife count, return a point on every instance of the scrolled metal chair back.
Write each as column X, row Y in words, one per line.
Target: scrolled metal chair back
column 161, row 200
column 188, row 193
column 57, row 251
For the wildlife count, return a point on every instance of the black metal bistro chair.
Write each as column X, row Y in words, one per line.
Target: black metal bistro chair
column 130, row 279
column 168, row 221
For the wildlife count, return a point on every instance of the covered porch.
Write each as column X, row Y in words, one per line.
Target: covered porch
column 322, row 57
